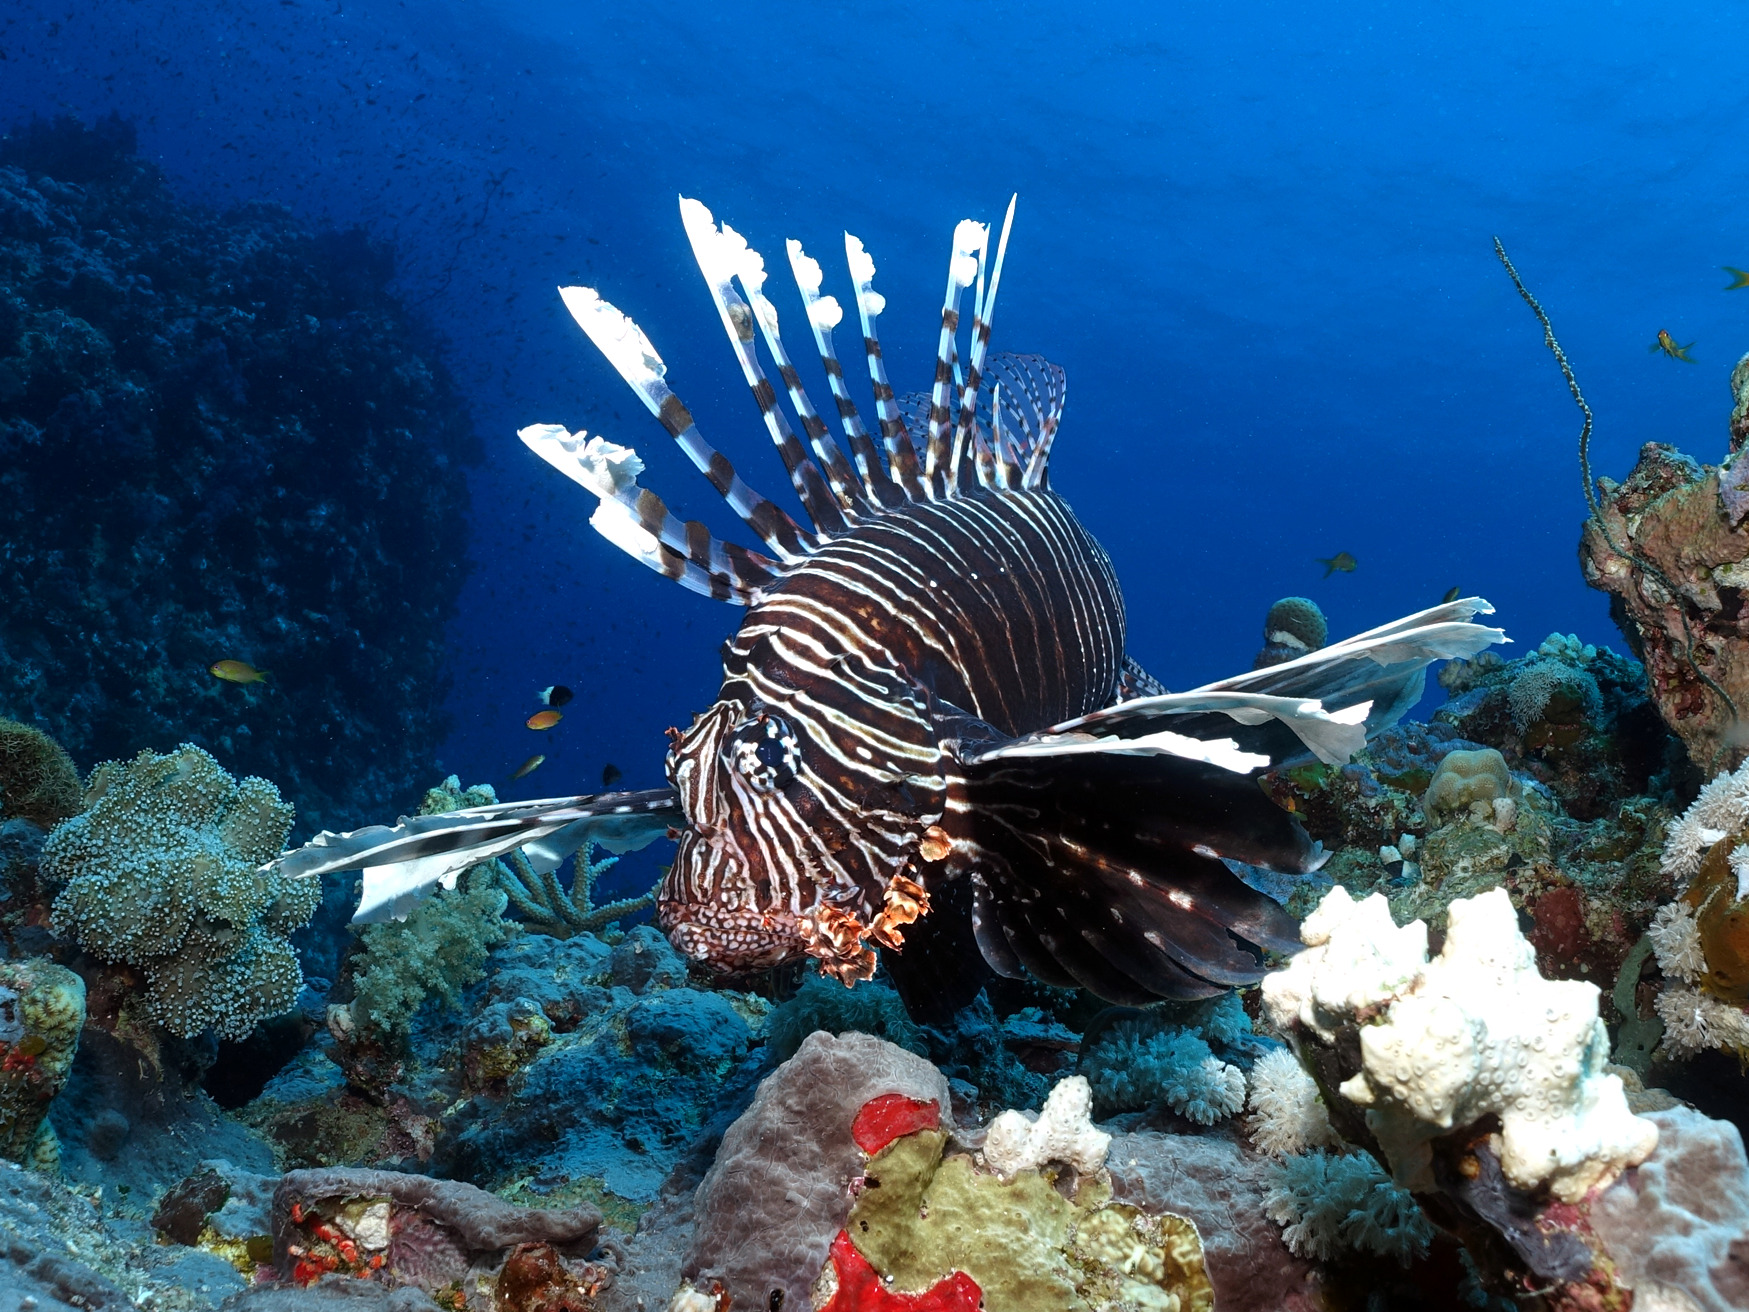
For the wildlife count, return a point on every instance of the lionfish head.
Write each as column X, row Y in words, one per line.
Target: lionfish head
column 738, row 894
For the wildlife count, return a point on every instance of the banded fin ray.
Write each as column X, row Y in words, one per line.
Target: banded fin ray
column 724, row 257
column 964, row 267
column 637, row 521
column 1328, row 702
column 969, row 443
column 895, row 434
column 403, row 862
column 629, row 351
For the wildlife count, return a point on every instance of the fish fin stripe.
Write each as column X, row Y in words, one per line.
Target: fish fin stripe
column 825, row 314
column 724, row 258
column 638, row 522
column 972, row 456
column 895, row 434
column 630, row 352
column 964, row 267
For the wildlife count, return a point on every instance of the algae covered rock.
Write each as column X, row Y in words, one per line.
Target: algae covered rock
column 161, row 872
column 42, row 1009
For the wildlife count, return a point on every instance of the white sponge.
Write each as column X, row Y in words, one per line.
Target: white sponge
column 1063, row 1132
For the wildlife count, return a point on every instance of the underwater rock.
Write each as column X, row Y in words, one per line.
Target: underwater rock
column 1679, row 1222
column 780, row 1187
column 161, row 872
column 202, row 417
column 1676, row 570
column 42, row 1010
column 408, row 1229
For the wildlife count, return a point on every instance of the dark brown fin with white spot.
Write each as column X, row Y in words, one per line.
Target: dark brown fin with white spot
column 636, row 360
column 1105, row 872
column 901, row 453
column 723, row 257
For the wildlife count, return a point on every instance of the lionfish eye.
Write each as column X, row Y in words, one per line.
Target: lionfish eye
column 766, row 751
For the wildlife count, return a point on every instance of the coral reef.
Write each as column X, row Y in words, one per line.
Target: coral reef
column 825, row 1005
column 42, row 1009
column 548, row 907
column 38, row 781
column 1665, row 548
column 1293, row 627
column 1287, row 1111
column 220, row 438
column 1136, row 1064
column 161, row 872
column 1465, row 780
column 1061, row 1132
column 1327, row 1202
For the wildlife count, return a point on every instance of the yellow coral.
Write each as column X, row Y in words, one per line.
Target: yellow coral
column 38, row 781
column 162, row 872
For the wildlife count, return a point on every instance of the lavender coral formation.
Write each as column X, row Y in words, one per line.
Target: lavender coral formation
column 161, row 872
column 219, row 437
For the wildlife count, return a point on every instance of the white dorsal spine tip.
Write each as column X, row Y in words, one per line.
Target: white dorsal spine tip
column 862, row 265
column 826, row 312
column 876, row 303
column 614, row 335
column 806, row 269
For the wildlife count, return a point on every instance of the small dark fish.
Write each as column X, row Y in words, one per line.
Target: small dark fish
column 611, row 774
column 1340, row 561
column 237, row 672
column 1451, row 595
column 557, row 695
column 1669, row 345
column 1739, row 277
column 529, row 766
column 543, row 719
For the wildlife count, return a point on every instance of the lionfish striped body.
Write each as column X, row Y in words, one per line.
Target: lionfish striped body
column 929, row 739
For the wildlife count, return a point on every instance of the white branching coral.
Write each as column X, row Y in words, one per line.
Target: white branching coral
column 1675, row 939
column 1287, row 1114
column 1062, row 1132
column 1721, row 809
column 1474, row 1032
column 1695, row 1021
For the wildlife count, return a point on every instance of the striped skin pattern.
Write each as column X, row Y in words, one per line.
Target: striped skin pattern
column 813, row 784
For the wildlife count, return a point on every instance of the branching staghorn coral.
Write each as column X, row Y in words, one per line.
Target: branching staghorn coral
column 545, row 906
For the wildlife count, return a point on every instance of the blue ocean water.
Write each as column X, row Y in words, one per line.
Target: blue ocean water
column 1257, row 236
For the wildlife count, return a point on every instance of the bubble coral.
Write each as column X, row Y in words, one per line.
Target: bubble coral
column 37, row 779
column 161, row 872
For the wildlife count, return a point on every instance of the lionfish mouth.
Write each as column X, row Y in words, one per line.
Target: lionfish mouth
column 729, row 941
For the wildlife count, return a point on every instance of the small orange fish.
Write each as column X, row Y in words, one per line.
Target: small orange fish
column 1739, row 277
column 237, row 672
column 1669, row 345
column 1341, row 562
column 544, row 719
column 529, row 766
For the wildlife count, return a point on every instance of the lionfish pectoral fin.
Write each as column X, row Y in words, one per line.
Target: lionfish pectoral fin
column 403, row 862
column 1103, row 870
column 940, row 970
column 1327, row 702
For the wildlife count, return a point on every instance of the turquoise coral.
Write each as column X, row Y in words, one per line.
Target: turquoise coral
column 162, row 872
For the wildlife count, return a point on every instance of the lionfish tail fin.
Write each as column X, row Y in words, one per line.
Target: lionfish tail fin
column 404, row 862
column 1106, row 872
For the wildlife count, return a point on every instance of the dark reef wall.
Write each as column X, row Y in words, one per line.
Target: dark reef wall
column 220, row 438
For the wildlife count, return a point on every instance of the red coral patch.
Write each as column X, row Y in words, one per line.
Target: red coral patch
column 892, row 1116
column 860, row 1288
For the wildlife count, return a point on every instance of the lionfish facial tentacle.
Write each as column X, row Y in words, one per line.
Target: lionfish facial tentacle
column 629, row 351
column 825, row 314
column 901, row 454
column 970, row 239
column 723, row 257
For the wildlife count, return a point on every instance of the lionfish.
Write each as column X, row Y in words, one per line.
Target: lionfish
column 930, row 739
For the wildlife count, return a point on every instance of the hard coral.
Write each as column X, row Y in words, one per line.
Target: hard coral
column 42, row 1008
column 37, row 779
column 1293, row 627
column 1327, row 1202
column 161, row 872
column 1465, row 778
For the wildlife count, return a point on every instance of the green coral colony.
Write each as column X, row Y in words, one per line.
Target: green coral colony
column 1504, row 1066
